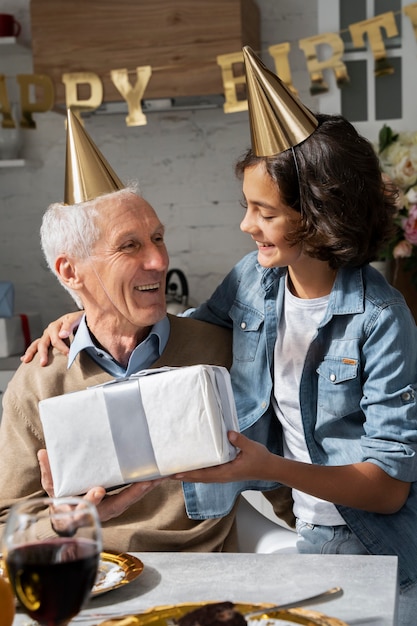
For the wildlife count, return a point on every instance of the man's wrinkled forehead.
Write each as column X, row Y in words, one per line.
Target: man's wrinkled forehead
column 126, row 217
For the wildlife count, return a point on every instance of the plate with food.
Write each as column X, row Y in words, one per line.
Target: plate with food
column 115, row 570
column 223, row 614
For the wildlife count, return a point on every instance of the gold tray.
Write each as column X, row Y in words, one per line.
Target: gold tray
column 167, row 616
column 115, row 570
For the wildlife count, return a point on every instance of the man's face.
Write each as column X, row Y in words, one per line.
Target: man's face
column 124, row 278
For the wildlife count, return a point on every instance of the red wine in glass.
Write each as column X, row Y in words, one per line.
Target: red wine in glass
column 51, row 547
column 53, row 579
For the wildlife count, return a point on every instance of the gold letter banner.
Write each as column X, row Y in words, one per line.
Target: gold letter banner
column 411, row 12
column 75, row 80
column 373, row 29
column 133, row 95
column 78, row 84
column 280, row 54
column 40, row 105
column 315, row 67
column 233, row 85
column 5, row 109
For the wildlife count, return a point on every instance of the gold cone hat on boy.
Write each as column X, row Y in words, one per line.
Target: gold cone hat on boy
column 87, row 173
column 278, row 120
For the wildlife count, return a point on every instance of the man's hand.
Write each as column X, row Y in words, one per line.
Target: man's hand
column 108, row 505
column 54, row 334
column 112, row 505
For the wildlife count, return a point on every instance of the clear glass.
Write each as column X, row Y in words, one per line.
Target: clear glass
column 51, row 547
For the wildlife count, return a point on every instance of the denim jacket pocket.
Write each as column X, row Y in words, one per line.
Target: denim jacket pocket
column 339, row 387
column 247, row 325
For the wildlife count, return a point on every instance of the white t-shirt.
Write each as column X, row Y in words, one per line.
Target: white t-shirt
column 296, row 329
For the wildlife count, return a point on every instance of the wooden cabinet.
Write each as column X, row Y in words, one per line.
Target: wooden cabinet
column 180, row 40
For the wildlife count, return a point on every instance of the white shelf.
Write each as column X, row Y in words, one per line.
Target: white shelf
column 4, row 41
column 12, row 162
column 12, row 46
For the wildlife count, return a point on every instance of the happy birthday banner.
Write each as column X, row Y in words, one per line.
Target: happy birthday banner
column 233, row 81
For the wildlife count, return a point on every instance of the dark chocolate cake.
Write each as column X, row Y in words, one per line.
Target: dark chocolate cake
column 214, row 614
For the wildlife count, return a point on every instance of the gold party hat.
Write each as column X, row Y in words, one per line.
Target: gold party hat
column 278, row 120
column 87, row 173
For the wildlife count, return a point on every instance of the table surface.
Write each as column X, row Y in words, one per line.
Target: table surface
column 369, row 584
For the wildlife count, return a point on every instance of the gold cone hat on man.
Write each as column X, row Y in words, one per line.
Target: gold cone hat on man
column 87, row 173
column 278, row 120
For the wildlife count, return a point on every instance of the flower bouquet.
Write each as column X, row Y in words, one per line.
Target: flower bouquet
column 397, row 153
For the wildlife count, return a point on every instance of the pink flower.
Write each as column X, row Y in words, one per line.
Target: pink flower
column 402, row 250
column 409, row 225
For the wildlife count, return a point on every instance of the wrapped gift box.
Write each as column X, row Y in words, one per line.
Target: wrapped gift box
column 153, row 424
column 6, row 298
column 17, row 332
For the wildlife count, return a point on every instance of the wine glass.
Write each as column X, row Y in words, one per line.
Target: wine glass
column 51, row 547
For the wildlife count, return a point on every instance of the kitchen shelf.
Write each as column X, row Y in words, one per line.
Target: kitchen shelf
column 12, row 162
column 4, row 41
column 12, row 46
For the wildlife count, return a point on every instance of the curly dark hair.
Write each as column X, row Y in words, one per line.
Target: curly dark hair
column 333, row 179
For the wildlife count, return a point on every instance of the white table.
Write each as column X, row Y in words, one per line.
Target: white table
column 369, row 584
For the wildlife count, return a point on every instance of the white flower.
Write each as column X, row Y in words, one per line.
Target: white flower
column 399, row 160
column 411, row 195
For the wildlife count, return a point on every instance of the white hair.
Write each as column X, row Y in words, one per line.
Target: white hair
column 73, row 230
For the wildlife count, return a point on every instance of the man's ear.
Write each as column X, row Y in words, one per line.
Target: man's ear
column 67, row 272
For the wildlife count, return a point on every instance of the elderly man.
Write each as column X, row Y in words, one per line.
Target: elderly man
column 109, row 253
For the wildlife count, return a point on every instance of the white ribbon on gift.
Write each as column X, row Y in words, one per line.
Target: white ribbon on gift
column 131, row 438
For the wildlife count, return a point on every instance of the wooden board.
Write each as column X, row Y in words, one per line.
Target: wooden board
column 180, row 39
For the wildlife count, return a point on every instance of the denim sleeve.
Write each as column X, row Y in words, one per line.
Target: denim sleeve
column 216, row 309
column 389, row 393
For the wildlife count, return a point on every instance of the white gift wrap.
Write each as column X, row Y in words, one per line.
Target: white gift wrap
column 153, row 424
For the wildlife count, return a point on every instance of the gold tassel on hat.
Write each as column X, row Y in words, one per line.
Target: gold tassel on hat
column 87, row 173
column 278, row 120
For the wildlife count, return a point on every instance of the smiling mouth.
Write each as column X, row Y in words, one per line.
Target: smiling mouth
column 262, row 244
column 152, row 287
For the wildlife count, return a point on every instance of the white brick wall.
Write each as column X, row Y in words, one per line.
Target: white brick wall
column 184, row 162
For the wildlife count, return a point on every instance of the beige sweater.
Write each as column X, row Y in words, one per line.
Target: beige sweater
column 157, row 522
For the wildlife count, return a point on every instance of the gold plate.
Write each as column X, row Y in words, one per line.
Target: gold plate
column 168, row 615
column 115, row 570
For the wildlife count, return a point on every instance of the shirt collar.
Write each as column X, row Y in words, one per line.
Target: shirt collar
column 142, row 357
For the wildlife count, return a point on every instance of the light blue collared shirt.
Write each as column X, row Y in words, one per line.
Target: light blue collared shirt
column 142, row 357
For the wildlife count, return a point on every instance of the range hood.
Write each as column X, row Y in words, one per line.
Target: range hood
column 179, row 39
column 161, row 105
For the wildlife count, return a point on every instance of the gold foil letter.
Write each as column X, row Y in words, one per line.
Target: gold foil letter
column 372, row 28
column 334, row 62
column 411, row 12
column 279, row 53
column 75, row 79
column 234, row 85
column 5, row 109
column 133, row 94
column 40, row 105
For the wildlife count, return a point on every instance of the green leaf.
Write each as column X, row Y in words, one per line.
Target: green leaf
column 386, row 137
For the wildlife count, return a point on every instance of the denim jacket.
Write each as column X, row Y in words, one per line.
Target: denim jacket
column 357, row 391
